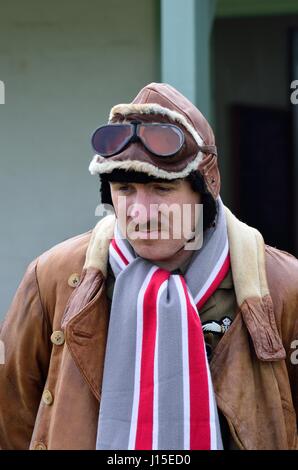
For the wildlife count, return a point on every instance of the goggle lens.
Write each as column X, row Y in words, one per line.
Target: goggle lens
column 161, row 140
column 108, row 140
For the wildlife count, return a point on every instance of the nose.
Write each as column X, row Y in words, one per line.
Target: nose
column 139, row 206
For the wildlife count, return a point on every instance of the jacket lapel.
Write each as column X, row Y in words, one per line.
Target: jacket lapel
column 247, row 253
column 86, row 325
column 86, row 317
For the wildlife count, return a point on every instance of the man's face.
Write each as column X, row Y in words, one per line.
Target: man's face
column 157, row 217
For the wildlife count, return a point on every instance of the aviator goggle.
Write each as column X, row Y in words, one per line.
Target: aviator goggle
column 163, row 140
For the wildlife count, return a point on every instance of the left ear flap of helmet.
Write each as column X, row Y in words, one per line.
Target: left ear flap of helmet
column 210, row 172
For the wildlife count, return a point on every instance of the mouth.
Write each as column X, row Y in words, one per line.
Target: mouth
column 144, row 234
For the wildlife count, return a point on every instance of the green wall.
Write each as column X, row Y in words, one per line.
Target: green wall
column 64, row 64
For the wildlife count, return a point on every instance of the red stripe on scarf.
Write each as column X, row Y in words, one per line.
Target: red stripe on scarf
column 145, row 414
column 116, row 247
column 198, row 380
column 219, row 278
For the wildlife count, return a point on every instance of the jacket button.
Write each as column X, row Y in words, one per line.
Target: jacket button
column 73, row 280
column 47, row 397
column 40, row 446
column 57, row 337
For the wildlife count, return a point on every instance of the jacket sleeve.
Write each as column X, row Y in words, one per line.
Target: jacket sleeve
column 25, row 335
column 292, row 363
column 282, row 276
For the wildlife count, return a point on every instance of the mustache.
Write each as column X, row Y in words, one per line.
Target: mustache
column 149, row 226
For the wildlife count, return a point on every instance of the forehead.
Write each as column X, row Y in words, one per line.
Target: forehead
column 177, row 182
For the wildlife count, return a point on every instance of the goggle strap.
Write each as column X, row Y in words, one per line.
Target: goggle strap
column 208, row 149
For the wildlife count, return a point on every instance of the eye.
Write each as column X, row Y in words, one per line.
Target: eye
column 163, row 189
column 124, row 188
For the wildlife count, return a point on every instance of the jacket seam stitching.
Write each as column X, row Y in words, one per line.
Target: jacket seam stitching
column 43, row 309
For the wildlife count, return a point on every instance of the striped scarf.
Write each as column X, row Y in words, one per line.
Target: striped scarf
column 157, row 391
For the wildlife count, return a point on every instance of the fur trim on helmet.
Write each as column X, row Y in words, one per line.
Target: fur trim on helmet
column 154, row 108
column 100, row 165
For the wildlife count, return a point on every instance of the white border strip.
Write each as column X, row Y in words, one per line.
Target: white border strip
column 213, row 274
column 116, row 257
column 121, row 244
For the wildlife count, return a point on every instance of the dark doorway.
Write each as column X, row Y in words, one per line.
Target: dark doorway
column 294, row 114
column 262, row 160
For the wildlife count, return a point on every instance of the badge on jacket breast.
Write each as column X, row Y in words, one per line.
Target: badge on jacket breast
column 213, row 330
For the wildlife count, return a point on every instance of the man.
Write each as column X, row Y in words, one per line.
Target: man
column 122, row 339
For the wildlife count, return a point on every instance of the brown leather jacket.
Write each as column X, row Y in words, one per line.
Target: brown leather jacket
column 50, row 383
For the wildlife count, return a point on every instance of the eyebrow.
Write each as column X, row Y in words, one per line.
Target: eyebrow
column 173, row 182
